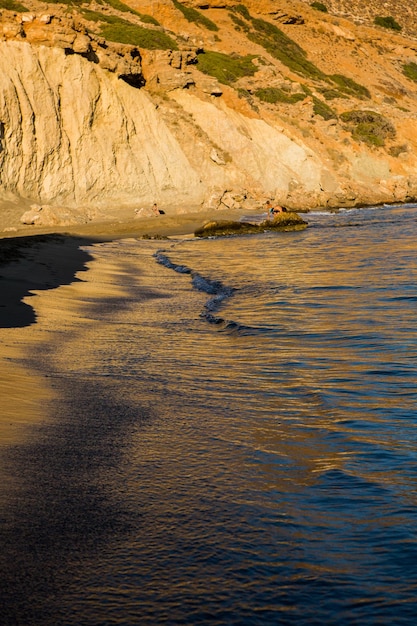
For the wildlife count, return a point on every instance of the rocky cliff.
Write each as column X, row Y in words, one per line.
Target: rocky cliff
column 106, row 108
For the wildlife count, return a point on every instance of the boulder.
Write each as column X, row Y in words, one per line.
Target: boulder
column 82, row 44
column 48, row 215
column 31, row 217
column 288, row 221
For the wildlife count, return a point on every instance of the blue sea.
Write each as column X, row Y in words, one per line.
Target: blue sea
column 231, row 437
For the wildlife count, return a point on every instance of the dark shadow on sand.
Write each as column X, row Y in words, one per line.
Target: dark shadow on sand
column 34, row 263
column 66, row 504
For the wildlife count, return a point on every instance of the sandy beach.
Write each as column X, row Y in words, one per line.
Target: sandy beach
column 35, row 259
column 177, row 446
column 28, row 265
column 125, row 225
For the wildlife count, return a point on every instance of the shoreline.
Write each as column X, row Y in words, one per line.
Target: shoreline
column 37, row 258
column 167, row 225
column 36, row 263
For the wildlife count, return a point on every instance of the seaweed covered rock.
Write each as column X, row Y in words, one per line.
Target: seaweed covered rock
column 283, row 222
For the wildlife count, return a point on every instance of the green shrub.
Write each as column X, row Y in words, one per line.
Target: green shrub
column 192, row 15
column 395, row 151
column 226, row 68
column 331, row 94
column 239, row 23
column 11, row 5
column 275, row 94
column 118, row 5
column 368, row 126
column 115, row 4
column 319, row 6
column 277, row 43
column 244, row 94
column 119, row 30
column 292, row 55
column 71, row 3
column 387, row 22
column 410, row 70
column 240, row 8
column 349, row 86
column 95, row 16
column 323, row 109
column 283, row 48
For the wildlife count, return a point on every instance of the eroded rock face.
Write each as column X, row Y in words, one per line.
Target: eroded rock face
column 166, row 70
column 105, row 126
column 62, row 31
column 75, row 134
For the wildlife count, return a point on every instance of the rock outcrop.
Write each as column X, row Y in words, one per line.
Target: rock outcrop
column 284, row 222
column 77, row 135
column 74, row 134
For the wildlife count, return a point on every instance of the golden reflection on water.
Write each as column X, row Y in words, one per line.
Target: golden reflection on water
column 22, row 394
column 328, row 303
column 219, row 455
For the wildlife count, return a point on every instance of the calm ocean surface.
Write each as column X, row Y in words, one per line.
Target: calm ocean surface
column 232, row 438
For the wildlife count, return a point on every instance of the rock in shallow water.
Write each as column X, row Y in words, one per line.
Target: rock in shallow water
column 283, row 222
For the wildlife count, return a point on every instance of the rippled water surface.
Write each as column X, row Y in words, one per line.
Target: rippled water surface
column 232, row 435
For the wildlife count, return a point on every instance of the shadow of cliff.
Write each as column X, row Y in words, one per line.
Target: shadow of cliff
column 34, row 263
column 66, row 507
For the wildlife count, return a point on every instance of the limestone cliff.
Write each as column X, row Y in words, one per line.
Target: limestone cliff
column 93, row 125
column 75, row 134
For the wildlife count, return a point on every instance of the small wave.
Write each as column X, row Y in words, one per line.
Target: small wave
column 214, row 288
column 229, row 326
column 218, row 292
column 402, row 299
column 325, row 213
column 164, row 260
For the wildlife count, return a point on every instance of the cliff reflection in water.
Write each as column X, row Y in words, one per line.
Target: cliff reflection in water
column 232, row 438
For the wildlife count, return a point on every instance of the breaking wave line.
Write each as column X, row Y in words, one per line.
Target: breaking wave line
column 215, row 288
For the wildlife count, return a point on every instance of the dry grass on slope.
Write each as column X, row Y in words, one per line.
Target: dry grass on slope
column 403, row 12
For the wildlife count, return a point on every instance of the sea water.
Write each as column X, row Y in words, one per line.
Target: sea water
column 233, row 434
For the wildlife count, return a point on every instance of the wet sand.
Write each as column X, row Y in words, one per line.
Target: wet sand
column 28, row 265
column 36, row 259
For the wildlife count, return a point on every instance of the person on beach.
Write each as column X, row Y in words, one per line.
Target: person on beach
column 157, row 211
column 279, row 209
column 269, row 209
column 274, row 210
